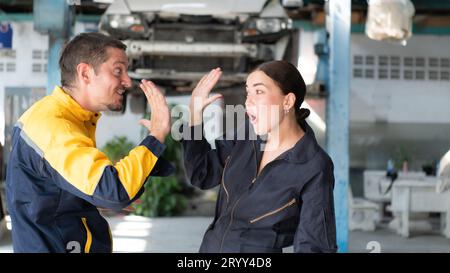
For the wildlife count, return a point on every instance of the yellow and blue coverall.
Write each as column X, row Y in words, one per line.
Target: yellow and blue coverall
column 56, row 178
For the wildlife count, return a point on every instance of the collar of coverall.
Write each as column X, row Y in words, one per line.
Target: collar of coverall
column 74, row 107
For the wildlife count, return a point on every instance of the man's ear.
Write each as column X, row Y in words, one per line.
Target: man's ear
column 289, row 101
column 84, row 73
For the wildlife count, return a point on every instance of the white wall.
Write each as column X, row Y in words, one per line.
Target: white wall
column 388, row 113
column 410, row 111
column 25, row 40
column 401, row 100
column 390, row 100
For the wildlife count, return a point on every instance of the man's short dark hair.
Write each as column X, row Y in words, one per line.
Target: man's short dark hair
column 87, row 48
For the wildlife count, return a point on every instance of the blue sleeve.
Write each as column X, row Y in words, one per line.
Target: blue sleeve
column 203, row 164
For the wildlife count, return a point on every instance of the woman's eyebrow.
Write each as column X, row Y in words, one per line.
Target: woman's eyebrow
column 257, row 84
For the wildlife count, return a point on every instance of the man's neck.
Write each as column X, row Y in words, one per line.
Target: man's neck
column 76, row 95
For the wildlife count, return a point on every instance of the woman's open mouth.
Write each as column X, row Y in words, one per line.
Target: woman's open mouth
column 252, row 118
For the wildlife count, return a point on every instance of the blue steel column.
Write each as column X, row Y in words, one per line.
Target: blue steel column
column 53, row 73
column 338, row 24
column 53, row 17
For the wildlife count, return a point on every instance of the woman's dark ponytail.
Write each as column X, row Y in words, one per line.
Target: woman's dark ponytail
column 301, row 114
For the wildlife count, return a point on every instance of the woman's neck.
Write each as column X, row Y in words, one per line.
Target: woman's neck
column 285, row 136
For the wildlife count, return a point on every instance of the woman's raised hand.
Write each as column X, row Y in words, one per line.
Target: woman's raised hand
column 200, row 96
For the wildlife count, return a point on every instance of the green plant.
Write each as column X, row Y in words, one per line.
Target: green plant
column 161, row 198
column 401, row 155
column 117, row 148
column 163, row 195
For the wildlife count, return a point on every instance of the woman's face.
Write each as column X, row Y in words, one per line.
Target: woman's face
column 264, row 103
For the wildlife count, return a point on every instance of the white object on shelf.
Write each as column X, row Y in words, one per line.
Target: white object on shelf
column 390, row 20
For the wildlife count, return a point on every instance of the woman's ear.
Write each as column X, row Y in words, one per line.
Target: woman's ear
column 289, row 101
column 83, row 73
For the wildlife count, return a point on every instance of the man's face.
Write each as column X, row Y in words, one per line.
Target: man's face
column 108, row 84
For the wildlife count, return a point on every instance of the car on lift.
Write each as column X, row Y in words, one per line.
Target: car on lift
column 174, row 42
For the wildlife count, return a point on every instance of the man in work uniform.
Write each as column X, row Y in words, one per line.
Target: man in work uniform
column 56, row 177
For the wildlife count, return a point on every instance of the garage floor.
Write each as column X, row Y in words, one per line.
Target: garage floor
column 184, row 234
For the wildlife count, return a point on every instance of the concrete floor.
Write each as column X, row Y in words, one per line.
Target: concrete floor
column 184, row 235
column 390, row 242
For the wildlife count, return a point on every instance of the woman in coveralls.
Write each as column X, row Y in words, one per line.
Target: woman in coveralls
column 273, row 193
